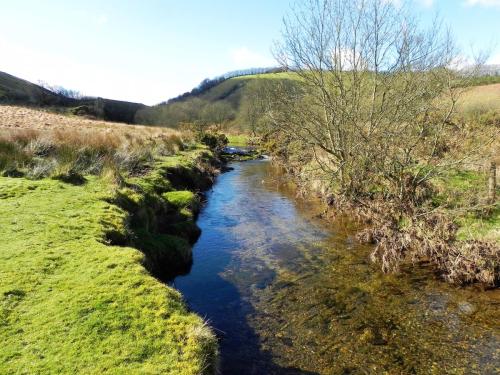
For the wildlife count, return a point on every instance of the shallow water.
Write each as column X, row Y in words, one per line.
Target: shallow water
column 288, row 293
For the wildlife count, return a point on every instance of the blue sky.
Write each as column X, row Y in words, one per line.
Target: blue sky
column 151, row 50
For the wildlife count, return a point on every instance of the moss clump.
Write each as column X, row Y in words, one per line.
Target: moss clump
column 181, row 198
column 166, row 255
column 153, row 183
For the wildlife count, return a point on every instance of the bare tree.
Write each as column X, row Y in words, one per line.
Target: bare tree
column 68, row 93
column 376, row 93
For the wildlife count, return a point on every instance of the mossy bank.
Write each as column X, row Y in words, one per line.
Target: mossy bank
column 78, row 265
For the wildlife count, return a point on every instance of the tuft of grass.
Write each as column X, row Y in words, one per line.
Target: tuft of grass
column 181, row 198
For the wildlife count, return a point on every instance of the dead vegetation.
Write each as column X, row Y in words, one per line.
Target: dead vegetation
column 399, row 239
column 39, row 144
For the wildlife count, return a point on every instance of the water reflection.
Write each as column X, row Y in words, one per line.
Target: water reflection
column 290, row 294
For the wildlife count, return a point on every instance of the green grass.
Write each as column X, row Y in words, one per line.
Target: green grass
column 181, row 198
column 481, row 228
column 72, row 303
column 238, row 140
column 462, row 188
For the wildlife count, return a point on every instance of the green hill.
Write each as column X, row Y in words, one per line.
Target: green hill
column 226, row 101
column 14, row 90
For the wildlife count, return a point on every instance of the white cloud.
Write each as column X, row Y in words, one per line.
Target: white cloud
column 487, row 3
column 243, row 58
column 426, row 3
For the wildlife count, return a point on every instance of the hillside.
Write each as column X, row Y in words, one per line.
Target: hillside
column 14, row 90
column 236, row 102
column 223, row 102
column 17, row 90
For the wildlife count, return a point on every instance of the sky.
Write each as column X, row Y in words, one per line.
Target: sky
column 151, row 50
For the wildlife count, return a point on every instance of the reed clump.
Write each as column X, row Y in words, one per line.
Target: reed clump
column 65, row 152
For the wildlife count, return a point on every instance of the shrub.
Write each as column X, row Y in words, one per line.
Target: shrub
column 40, row 168
column 133, row 161
column 214, row 141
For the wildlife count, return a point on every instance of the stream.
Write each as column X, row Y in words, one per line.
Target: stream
column 288, row 293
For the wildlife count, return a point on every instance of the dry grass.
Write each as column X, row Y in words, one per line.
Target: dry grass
column 20, row 119
column 481, row 99
column 38, row 144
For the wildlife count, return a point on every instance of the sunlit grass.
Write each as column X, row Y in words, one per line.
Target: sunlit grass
column 70, row 303
column 238, row 140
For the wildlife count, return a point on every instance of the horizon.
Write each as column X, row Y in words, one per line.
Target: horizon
column 164, row 55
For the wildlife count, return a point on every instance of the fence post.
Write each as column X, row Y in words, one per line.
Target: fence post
column 492, row 183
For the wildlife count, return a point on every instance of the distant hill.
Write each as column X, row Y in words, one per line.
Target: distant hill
column 217, row 100
column 17, row 90
column 490, row 70
column 14, row 90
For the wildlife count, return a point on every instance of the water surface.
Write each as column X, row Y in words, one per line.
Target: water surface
column 288, row 293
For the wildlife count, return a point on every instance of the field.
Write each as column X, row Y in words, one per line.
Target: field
column 481, row 99
column 13, row 117
column 77, row 294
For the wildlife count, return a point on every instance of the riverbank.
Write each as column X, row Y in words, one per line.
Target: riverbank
column 78, row 293
column 452, row 227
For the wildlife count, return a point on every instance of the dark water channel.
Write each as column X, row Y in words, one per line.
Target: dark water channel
column 288, row 293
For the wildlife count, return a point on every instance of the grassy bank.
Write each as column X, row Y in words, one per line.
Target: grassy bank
column 72, row 302
column 91, row 219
